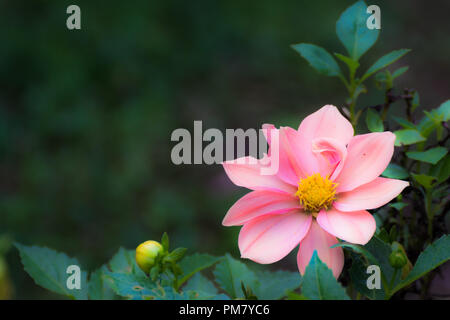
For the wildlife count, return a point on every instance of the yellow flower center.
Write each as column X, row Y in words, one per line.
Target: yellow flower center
column 316, row 193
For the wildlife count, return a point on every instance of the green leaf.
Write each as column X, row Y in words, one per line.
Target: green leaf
column 383, row 235
column 165, row 241
column 398, row 205
column 274, row 285
column 140, row 287
column 397, row 73
column 405, row 123
column 393, row 233
column 318, row 58
column 229, row 274
column 201, row 284
column 432, row 257
column 394, row 171
column 351, row 64
column 131, row 286
column 175, row 255
column 125, row 278
column 426, row 181
column 381, row 251
column 359, row 276
column 431, row 122
column 195, row 263
column 384, row 61
column 155, row 271
column 358, row 249
column 98, row 288
column 360, row 89
column 444, row 110
column 48, row 269
column 358, row 270
column 430, row 156
column 384, row 77
column 407, row 137
column 295, row 296
column 318, row 282
column 201, row 288
column 373, row 121
column 435, row 115
column 352, row 31
column 169, row 293
column 441, row 170
column 124, row 261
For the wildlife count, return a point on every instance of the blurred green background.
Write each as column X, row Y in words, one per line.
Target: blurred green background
column 86, row 115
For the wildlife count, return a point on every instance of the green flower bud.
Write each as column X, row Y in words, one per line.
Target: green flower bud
column 146, row 254
column 400, row 259
column 397, row 259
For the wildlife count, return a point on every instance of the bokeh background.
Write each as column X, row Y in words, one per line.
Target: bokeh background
column 86, row 115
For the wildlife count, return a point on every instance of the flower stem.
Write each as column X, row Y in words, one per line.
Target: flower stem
column 391, row 283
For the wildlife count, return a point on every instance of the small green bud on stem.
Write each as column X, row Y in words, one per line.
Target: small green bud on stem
column 146, row 254
column 154, row 259
column 397, row 258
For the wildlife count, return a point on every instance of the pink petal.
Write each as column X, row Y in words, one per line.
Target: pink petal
column 330, row 154
column 258, row 203
column 286, row 170
column 367, row 157
column 268, row 127
column 270, row 238
column 299, row 152
column 370, row 195
column 327, row 122
column 321, row 241
column 246, row 172
column 354, row 227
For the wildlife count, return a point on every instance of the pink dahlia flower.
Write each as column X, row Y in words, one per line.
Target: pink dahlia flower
column 327, row 180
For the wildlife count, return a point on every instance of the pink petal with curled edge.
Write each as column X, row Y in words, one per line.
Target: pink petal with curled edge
column 370, row 195
column 246, row 172
column 270, row 238
column 258, row 203
column 321, row 241
column 367, row 157
column 327, row 122
column 330, row 154
column 354, row 227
